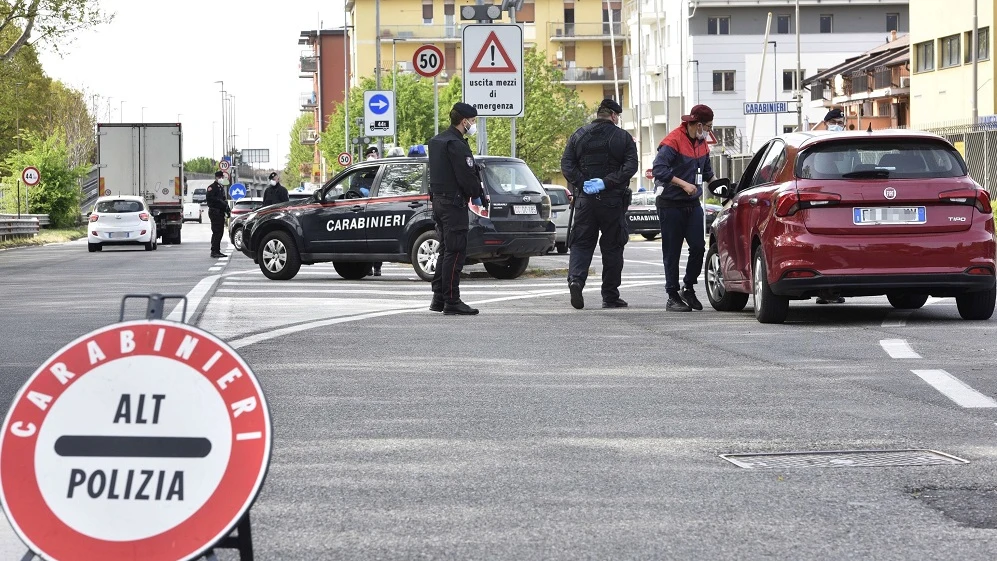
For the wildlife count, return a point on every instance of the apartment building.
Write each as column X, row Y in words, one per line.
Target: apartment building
column 711, row 51
column 325, row 58
column 582, row 37
column 941, row 82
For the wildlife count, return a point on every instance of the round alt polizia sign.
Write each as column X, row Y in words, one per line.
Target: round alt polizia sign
column 145, row 440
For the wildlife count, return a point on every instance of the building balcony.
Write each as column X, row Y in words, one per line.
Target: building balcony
column 439, row 33
column 308, row 66
column 308, row 101
column 820, row 95
column 560, row 31
column 309, row 136
column 595, row 75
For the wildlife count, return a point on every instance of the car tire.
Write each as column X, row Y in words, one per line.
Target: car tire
column 149, row 246
column 509, row 269
column 352, row 270
column 237, row 239
column 278, row 256
column 425, row 254
column 92, row 247
column 720, row 298
column 650, row 237
column 977, row 305
column 903, row 301
column 561, row 248
column 769, row 308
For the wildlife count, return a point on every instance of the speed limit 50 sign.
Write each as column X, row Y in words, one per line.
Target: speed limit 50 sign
column 428, row 60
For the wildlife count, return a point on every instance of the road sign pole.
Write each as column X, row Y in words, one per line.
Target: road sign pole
column 436, row 105
column 512, row 125
column 18, row 198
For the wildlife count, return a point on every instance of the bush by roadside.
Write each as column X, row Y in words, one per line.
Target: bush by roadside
column 45, row 237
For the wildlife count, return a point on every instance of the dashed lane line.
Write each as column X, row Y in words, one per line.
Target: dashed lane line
column 898, row 348
column 955, row 389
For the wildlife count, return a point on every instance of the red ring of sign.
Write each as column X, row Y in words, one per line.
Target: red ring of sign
column 42, row 530
column 415, row 61
column 345, row 159
column 24, row 173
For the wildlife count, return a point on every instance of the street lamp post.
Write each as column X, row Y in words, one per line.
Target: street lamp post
column 394, row 80
column 222, row 82
column 121, row 112
column 17, row 129
column 775, row 83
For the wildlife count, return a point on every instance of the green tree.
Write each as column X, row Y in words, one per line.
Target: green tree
column 300, row 156
column 52, row 22
column 552, row 113
column 58, row 192
column 25, row 93
column 200, row 165
column 67, row 112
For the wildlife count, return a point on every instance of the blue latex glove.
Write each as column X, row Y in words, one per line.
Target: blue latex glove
column 364, row 191
column 593, row 186
column 476, row 201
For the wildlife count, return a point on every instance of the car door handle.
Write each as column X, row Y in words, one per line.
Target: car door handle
column 357, row 208
column 415, row 204
column 753, row 201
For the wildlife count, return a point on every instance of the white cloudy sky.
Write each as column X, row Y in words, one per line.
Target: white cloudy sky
column 166, row 56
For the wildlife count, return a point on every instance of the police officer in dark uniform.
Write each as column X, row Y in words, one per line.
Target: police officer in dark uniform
column 598, row 162
column 453, row 181
column 217, row 211
column 275, row 192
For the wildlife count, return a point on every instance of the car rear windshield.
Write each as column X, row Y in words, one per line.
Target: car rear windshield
column 558, row 196
column 119, row 206
column 511, row 178
column 248, row 205
column 896, row 159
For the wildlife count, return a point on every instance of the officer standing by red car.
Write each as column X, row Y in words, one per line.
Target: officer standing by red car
column 453, row 181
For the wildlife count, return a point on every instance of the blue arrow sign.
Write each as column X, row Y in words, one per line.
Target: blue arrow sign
column 379, row 104
column 237, row 191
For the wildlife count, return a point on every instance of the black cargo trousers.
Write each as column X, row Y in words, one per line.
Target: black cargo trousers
column 606, row 213
column 450, row 217
column 217, row 229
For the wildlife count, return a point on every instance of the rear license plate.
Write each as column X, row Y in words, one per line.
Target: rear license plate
column 524, row 209
column 889, row 215
column 118, row 235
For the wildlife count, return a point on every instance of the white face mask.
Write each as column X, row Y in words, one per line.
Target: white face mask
column 472, row 130
column 273, row 182
column 703, row 135
column 836, row 128
column 371, row 157
column 223, row 181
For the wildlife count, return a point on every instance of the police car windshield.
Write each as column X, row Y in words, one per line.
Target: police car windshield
column 513, row 178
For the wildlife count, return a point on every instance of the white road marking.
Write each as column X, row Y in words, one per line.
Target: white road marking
column 194, row 298
column 898, row 318
column 955, row 389
column 898, row 348
column 10, row 545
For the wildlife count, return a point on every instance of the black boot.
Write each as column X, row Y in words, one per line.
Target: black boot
column 437, row 304
column 577, row 301
column 458, row 308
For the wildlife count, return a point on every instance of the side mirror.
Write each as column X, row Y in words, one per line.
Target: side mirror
column 720, row 188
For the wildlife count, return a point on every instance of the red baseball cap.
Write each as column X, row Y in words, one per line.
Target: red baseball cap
column 699, row 114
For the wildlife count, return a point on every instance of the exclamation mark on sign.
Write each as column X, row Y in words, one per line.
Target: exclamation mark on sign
column 493, row 54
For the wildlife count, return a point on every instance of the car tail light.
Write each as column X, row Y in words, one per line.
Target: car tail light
column 799, row 274
column 972, row 197
column 94, row 232
column 94, row 217
column 790, row 203
column 143, row 233
column 144, row 217
column 571, row 197
column 979, row 271
column 481, row 211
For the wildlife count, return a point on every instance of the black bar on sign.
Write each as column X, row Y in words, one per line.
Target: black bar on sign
column 132, row 446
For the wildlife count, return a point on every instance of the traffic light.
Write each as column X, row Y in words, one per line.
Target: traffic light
column 485, row 12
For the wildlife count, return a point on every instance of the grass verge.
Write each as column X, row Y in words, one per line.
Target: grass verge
column 45, row 237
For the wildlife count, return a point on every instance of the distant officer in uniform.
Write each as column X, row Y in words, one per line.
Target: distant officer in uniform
column 598, row 162
column 275, row 192
column 217, row 211
column 453, row 181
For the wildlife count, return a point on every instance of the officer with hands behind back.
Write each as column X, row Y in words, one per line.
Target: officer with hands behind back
column 275, row 192
column 453, row 181
column 217, row 211
column 598, row 162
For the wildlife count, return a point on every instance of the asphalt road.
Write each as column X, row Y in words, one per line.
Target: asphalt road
column 536, row 431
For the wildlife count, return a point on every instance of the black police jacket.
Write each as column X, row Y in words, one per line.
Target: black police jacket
column 215, row 199
column 275, row 194
column 452, row 170
column 600, row 150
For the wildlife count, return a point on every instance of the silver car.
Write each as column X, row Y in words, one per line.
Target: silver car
column 560, row 212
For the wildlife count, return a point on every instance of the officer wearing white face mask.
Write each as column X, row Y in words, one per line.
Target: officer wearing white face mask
column 834, row 120
column 275, row 193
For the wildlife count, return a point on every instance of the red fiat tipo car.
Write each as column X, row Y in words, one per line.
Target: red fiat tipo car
column 853, row 214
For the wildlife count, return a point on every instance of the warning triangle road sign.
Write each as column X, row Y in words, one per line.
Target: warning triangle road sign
column 488, row 58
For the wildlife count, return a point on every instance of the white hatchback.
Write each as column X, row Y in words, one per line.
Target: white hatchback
column 121, row 220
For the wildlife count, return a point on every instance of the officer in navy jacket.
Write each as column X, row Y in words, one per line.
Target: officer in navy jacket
column 681, row 166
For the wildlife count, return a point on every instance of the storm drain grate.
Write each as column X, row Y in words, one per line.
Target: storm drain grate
column 843, row 458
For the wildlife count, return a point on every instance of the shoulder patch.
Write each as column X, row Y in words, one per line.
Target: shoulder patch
column 211, row 187
column 470, row 162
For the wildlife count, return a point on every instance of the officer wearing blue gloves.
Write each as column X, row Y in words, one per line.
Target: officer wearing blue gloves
column 598, row 162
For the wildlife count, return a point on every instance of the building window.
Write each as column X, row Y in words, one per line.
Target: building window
column 949, row 47
column 527, row 14
column 782, row 24
column 924, row 56
column 616, row 14
column 883, row 108
column 608, row 92
column 718, row 26
column 723, row 80
column 727, row 137
column 788, row 84
column 786, row 129
column 826, row 23
column 982, row 45
column 427, row 12
column 892, row 22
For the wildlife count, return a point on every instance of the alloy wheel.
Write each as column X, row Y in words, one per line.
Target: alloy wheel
column 428, row 255
column 274, row 255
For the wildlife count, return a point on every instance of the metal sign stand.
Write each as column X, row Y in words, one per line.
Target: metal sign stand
column 242, row 539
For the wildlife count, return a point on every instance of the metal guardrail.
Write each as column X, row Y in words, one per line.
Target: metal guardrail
column 13, row 227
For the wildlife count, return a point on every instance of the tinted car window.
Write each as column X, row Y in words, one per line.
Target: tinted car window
column 248, row 205
column 401, row 179
column 511, row 178
column 558, row 196
column 361, row 178
column 909, row 158
column 119, row 206
column 771, row 165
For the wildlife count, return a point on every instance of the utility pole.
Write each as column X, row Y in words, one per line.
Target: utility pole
column 482, row 126
column 975, row 47
column 799, row 70
column 512, row 125
column 222, row 82
column 17, row 128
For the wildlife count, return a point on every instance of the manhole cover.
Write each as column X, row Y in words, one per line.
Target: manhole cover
column 843, row 458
